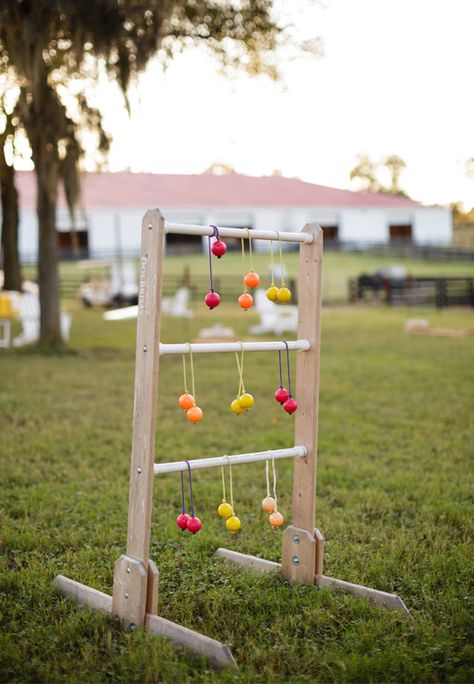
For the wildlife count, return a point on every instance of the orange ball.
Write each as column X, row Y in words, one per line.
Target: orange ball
column 186, row 401
column 246, row 300
column 268, row 504
column 194, row 414
column 252, row 279
column 276, row 519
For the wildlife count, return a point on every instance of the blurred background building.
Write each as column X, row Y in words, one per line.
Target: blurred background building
column 112, row 206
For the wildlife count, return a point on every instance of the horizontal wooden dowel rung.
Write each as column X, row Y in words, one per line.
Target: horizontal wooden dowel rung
column 255, row 234
column 216, row 347
column 238, row 459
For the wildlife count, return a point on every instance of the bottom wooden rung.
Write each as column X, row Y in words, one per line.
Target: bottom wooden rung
column 218, row 654
column 380, row 598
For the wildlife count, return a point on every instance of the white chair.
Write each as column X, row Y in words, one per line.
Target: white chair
column 123, row 280
column 274, row 318
column 178, row 304
column 8, row 311
column 172, row 306
column 24, row 306
column 29, row 315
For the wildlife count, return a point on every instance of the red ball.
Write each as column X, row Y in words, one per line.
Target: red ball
column 282, row 395
column 290, row 406
column 182, row 521
column 219, row 248
column 193, row 525
column 212, row 299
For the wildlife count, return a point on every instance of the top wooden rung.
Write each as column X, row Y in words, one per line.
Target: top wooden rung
column 192, row 229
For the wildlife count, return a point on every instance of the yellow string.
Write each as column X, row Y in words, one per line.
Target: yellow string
column 282, row 284
column 184, row 375
column 240, row 368
column 267, row 478
column 274, row 484
column 223, row 483
column 250, row 249
column 273, row 263
column 243, row 262
column 192, row 370
column 231, row 486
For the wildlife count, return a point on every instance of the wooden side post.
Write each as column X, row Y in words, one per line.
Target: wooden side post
column 301, row 546
column 135, row 581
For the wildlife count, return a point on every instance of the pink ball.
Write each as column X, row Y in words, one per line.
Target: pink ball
column 193, row 525
column 219, row 248
column 282, row 395
column 290, row 406
column 212, row 299
column 182, row 521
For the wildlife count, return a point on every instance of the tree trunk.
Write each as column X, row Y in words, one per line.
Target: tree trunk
column 48, row 278
column 9, row 199
column 43, row 118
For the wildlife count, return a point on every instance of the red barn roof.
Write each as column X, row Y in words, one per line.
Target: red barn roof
column 144, row 190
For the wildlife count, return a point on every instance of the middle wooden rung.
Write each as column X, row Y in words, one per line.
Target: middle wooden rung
column 213, row 347
column 236, row 459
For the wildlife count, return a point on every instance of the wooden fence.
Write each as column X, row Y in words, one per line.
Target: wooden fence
column 421, row 291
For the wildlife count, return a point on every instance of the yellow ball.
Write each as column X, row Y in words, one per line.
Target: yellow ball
column 276, row 519
column 272, row 293
column 225, row 510
column 268, row 504
column 246, row 400
column 236, row 407
column 233, row 523
column 283, row 295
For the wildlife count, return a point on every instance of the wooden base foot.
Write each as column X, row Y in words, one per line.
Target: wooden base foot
column 250, row 562
column 380, row 598
column 218, row 654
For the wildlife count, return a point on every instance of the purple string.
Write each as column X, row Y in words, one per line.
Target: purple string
column 288, row 367
column 215, row 233
column 210, row 262
column 190, row 487
column 182, row 494
column 279, row 364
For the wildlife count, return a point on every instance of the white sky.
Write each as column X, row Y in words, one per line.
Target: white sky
column 397, row 77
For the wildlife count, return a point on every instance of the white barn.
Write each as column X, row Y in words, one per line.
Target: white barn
column 114, row 203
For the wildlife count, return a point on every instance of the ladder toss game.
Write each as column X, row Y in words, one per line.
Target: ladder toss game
column 134, row 598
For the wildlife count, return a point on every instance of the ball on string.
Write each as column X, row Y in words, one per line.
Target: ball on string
column 268, row 504
column 272, row 293
column 283, row 295
column 276, row 519
column 225, row 510
column 236, row 407
column 233, row 523
column 252, row 279
column 281, row 395
column 186, row 401
column 219, row 248
column 193, row 525
column 245, row 300
column 246, row 400
column 290, row 405
column 194, row 414
column 212, row 299
column 182, row 521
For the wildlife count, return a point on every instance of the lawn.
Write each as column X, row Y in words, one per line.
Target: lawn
column 394, row 503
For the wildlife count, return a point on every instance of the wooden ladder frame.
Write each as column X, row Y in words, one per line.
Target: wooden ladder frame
column 135, row 586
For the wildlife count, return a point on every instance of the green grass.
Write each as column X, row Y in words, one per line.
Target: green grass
column 394, row 503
